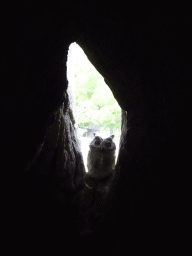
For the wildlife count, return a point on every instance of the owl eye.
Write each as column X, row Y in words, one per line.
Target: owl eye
column 108, row 144
column 97, row 143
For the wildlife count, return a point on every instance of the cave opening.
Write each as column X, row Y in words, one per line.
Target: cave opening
column 95, row 110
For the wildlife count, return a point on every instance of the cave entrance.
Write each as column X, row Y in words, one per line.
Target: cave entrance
column 94, row 106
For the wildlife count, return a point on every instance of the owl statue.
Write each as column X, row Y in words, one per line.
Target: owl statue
column 101, row 157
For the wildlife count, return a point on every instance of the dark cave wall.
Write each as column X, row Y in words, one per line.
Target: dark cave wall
column 133, row 62
column 40, row 172
column 148, row 68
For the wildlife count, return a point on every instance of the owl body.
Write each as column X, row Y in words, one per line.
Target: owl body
column 100, row 176
column 101, row 157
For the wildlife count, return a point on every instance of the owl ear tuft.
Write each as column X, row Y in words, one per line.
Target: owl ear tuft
column 112, row 136
column 94, row 134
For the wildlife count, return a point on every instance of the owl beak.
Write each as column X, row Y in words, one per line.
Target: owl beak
column 101, row 147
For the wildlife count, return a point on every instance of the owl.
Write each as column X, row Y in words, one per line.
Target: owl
column 101, row 157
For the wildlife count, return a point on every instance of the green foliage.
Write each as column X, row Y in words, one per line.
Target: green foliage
column 95, row 103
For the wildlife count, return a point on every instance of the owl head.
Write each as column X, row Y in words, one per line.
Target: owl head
column 102, row 145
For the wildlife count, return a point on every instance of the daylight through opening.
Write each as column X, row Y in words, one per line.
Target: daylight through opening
column 95, row 109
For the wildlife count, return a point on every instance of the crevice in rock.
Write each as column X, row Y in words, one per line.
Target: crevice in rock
column 95, row 109
column 94, row 195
